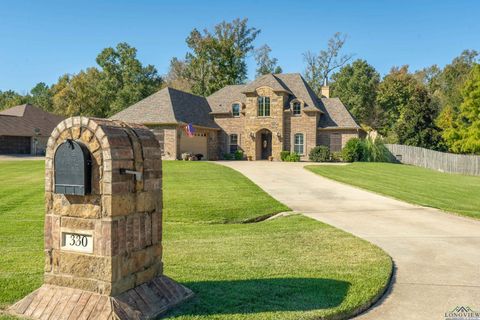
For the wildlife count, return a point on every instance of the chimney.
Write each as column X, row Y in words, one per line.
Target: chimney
column 325, row 90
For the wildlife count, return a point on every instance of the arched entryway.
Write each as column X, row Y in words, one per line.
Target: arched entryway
column 264, row 144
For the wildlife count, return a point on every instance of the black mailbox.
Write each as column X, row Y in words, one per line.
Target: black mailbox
column 73, row 169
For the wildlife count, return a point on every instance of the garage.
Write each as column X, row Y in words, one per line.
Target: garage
column 15, row 145
column 197, row 144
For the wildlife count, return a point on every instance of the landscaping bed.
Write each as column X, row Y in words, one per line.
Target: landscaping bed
column 286, row 268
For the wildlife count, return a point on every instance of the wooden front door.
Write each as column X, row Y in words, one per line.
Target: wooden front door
column 266, row 145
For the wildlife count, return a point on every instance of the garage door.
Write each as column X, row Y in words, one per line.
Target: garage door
column 196, row 144
column 14, row 145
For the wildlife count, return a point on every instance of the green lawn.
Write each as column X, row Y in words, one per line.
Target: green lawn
column 450, row 192
column 287, row 268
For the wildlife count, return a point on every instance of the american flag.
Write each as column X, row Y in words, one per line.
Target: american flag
column 189, row 130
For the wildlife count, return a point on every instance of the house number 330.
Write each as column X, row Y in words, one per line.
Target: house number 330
column 78, row 240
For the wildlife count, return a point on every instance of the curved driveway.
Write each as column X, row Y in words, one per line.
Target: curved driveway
column 437, row 255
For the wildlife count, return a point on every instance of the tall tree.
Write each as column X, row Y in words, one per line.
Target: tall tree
column 416, row 125
column 125, row 80
column 80, row 94
column 320, row 66
column 176, row 77
column 407, row 110
column 463, row 135
column 265, row 64
column 217, row 57
column 10, row 99
column 41, row 96
column 356, row 85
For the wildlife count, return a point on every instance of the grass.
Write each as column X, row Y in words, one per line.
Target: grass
column 449, row 192
column 287, row 268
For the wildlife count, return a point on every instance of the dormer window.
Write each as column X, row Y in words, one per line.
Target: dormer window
column 263, row 106
column 296, row 108
column 236, row 110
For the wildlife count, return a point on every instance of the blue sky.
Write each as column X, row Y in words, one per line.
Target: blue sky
column 41, row 40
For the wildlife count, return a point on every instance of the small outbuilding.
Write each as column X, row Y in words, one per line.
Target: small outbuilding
column 25, row 129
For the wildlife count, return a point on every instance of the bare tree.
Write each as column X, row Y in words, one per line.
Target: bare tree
column 320, row 66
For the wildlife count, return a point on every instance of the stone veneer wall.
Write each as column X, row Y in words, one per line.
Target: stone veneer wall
column 305, row 123
column 274, row 122
column 123, row 214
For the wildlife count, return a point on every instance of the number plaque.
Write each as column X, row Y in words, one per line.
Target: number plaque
column 78, row 242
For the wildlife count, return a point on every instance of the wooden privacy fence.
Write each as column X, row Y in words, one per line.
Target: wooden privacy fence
column 441, row 161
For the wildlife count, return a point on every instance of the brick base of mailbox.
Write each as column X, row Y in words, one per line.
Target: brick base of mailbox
column 147, row 301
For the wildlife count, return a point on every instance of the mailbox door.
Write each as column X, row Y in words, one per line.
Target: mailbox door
column 72, row 167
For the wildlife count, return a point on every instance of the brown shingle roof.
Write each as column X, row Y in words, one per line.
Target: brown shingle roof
column 221, row 100
column 24, row 119
column 336, row 115
column 173, row 106
column 268, row 80
column 169, row 106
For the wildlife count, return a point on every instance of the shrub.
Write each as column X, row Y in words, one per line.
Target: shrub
column 375, row 151
column 319, row 154
column 336, row 156
column 353, row 150
column 185, row 156
column 284, row 155
column 293, row 157
column 228, row 156
column 199, row 156
column 238, row 155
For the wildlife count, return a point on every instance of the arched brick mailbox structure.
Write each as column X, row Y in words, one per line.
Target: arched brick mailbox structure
column 103, row 226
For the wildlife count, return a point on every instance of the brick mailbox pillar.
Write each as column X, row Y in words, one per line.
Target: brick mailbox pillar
column 103, row 226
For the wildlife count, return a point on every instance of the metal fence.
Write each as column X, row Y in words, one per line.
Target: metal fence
column 441, row 161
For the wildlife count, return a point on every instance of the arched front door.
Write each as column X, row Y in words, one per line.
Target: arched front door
column 264, row 143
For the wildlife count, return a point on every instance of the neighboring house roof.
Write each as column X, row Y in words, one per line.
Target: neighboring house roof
column 336, row 115
column 169, row 106
column 25, row 119
column 174, row 106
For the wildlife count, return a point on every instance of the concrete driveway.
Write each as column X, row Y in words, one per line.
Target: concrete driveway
column 437, row 255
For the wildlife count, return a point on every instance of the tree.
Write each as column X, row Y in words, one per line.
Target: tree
column 41, row 96
column 416, row 125
column 176, row 78
column 320, row 66
column 10, row 99
column 124, row 79
column 356, row 85
column 265, row 64
column 463, row 136
column 217, row 57
column 80, row 94
column 449, row 93
column 408, row 111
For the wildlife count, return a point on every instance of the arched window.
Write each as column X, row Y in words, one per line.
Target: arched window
column 236, row 110
column 297, row 108
column 263, row 106
column 298, row 143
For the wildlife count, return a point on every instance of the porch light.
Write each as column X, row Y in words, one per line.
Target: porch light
column 252, row 135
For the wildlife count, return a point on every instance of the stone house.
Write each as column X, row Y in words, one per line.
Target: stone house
column 275, row 112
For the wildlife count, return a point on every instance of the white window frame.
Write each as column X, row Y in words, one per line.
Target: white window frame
column 261, row 106
column 302, row 144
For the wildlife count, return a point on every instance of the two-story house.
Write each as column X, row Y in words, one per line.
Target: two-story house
column 273, row 113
